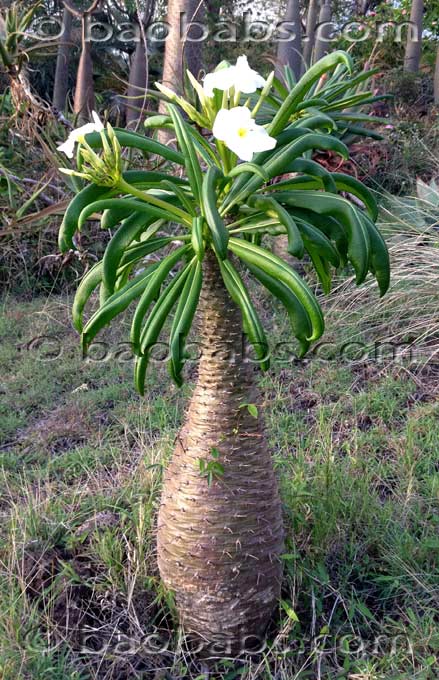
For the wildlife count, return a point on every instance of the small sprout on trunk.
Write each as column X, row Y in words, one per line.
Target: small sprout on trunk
column 211, row 469
column 251, row 408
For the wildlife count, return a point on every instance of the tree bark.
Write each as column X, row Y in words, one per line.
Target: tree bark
column 413, row 48
column 290, row 53
column 311, row 20
column 436, row 79
column 61, row 84
column 138, row 84
column 219, row 544
column 323, row 31
column 179, row 52
column 84, row 101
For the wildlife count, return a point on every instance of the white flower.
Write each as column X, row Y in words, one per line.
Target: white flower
column 241, row 77
column 237, row 129
column 68, row 147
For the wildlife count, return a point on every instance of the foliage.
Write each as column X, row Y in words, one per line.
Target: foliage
column 226, row 209
column 14, row 23
column 336, row 102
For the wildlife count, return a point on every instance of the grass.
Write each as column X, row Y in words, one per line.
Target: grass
column 81, row 456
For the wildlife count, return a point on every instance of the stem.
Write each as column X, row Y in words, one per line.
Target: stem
column 219, row 543
column 183, row 216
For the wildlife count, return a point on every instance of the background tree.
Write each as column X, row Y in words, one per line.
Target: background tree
column 180, row 51
column 436, row 78
column 61, row 81
column 290, row 53
column 311, row 21
column 323, row 45
column 413, row 50
column 84, row 101
column 138, row 75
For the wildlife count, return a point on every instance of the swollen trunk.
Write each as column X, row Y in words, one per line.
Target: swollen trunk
column 219, row 543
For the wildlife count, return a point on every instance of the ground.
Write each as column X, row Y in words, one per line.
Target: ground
column 81, row 457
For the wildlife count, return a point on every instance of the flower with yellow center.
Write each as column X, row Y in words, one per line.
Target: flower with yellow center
column 240, row 133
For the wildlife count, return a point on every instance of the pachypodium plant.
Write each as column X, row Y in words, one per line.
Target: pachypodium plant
column 220, row 532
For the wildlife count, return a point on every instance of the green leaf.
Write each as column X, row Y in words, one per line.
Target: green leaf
column 185, row 142
column 250, row 319
column 289, row 611
column 134, row 140
column 220, row 235
column 277, row 268
column 299, row 91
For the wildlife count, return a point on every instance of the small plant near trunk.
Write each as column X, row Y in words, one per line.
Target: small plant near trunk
column 204, row 219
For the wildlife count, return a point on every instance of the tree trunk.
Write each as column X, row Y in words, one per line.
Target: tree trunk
column 311, row 20
column 138, row 84
column 290, row 53
column 84, row 92
column 436, row 79
column 323, row 31
column 181, row 13
column 61, row 84
column 413, row 48
column 179, row 52
column 219, row 544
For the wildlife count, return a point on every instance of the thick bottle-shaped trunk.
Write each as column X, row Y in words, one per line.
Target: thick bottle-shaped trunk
column 61, row 84
column 412, row 58
column 84, row 92
column 219, row 544
column 323, row 31
column 138, row 84
column 311, row 21
column 290, row 52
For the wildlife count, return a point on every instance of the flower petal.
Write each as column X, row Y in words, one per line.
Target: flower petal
column 97, row 121
column 247, row 80
column 67, row 147
column 261, row 140
column 220, row 80
column 221, row 126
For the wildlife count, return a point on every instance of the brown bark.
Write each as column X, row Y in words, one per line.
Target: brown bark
column 138, row 84
column 290, row 53
column 219, row 544
column 323, row 31
column 311, row 21
column 179, row 52
column 84, row 101
column 413, row 48
column 60, row 88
